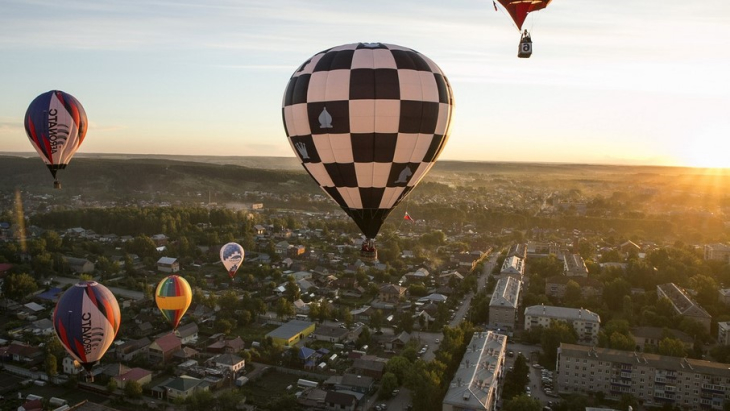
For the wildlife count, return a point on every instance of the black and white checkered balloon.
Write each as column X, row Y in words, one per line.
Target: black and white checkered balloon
column 367, row 121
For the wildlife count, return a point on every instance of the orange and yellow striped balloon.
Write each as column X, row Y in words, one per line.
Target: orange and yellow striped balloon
column 173, row 297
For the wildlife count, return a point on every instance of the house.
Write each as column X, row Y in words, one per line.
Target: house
column 329, row 333
column 71, row 366
column 180, row 387
column 339, row 401
column 504, row 303
column 401, row 340
column 651, row 336
column 80, row 265
column 724, row 296
column 357, row 383
column 163, row 348
column 513, row 266
column 259, row 229
column 24, row 353
column 231, row 346
column 168, row 265
column 127, row 350
column 159, row 239
column 391, row 293
column 585, row 322
column 187, row 333
column 139, row 375
column 723, row 333
column 362, row 314
column 369, row 365
column 230, row 362
column 282, row 248
column 296, row 251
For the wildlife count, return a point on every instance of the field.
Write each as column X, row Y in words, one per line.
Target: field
column 271, row 385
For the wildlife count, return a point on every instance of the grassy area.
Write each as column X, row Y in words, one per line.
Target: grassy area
column 271, row 385
column 253, row 332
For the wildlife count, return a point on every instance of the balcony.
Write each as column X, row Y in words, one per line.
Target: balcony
column 713, row 388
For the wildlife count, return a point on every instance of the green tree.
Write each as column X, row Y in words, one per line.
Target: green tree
column 620, row 341
column 376, row 320
column 522, row 403
column 558, row 332
column 111, row 386
column 284, row 308
column 398, row 366
column 18, row 286
column 672, row 347
column 51, row 365
column 388, row 383
column 133, row 389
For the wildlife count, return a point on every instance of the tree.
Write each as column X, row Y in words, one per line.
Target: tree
column 398, row 366
column 284, row 308
column 133, row 389
column 388, row 383
column 558, row 332
column 111, row 386
column 376, row 320
column 17, row 286
column 672, row 347
column 51, row 365
column 620, row 341
column 523, row 403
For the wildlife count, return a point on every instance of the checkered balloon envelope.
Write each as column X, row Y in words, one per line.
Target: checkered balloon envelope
column 368, row 121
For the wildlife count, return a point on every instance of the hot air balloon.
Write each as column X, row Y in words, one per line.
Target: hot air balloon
column 173, row 297
column 368, row 121
column 86, row 320
column 518, row 10
column 232, row 257
column 56, row 123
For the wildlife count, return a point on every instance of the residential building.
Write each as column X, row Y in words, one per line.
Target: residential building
column 723, row 333
column 574, row 266
column 683, row 304
column 505, row 302
column 222, row 345
column 139, row 375
column 168, row 265
column 477, row 382
column 71, row 366
column 187, row 333
column 717, row 252
column 585, row 322
column 230, row 362
column 80, row 265
column 513, row 266
column 542, row 249
column 162, row 349
column 724, row 296
column 339, row 401
column 391, row 293
column 651, row 336
column 127, row 350
column 556, row 286
column 181, row 387
column 654, row 380
column 517, row 250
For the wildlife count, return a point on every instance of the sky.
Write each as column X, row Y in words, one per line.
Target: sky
column 609, row 82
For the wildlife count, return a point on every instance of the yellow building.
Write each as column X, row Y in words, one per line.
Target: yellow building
column 291, row 333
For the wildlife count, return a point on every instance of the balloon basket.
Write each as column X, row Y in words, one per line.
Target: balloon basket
column 370, row 254
column 57, row 185
column 525, row 49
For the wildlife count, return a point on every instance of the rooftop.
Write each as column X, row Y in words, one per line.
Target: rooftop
column 563, row 313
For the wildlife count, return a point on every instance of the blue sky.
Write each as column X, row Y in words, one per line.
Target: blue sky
column 609, row 82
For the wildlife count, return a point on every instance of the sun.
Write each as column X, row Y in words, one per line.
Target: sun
column 708, row 151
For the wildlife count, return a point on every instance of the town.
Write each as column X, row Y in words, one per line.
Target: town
column 508, row 290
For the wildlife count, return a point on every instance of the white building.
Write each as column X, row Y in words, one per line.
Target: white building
column 717, row 252
column 71, row 366
column 655, row 380
column 513, row 266
column 574, row 266
column 723, row 333
column 504, row 303
column 585, row 322
column 476, row 384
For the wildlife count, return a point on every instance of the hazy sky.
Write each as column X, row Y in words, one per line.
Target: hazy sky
column 637, row 82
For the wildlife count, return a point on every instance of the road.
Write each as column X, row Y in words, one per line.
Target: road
column 118, row 292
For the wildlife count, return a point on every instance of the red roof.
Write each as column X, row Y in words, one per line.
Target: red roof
column 168, row 342
column 135, row 374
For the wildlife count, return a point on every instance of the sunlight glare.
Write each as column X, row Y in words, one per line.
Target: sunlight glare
column 709, row 151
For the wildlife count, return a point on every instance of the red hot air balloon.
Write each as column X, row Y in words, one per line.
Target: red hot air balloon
column 518, row 10
column 86, row 321
column 56, row 126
